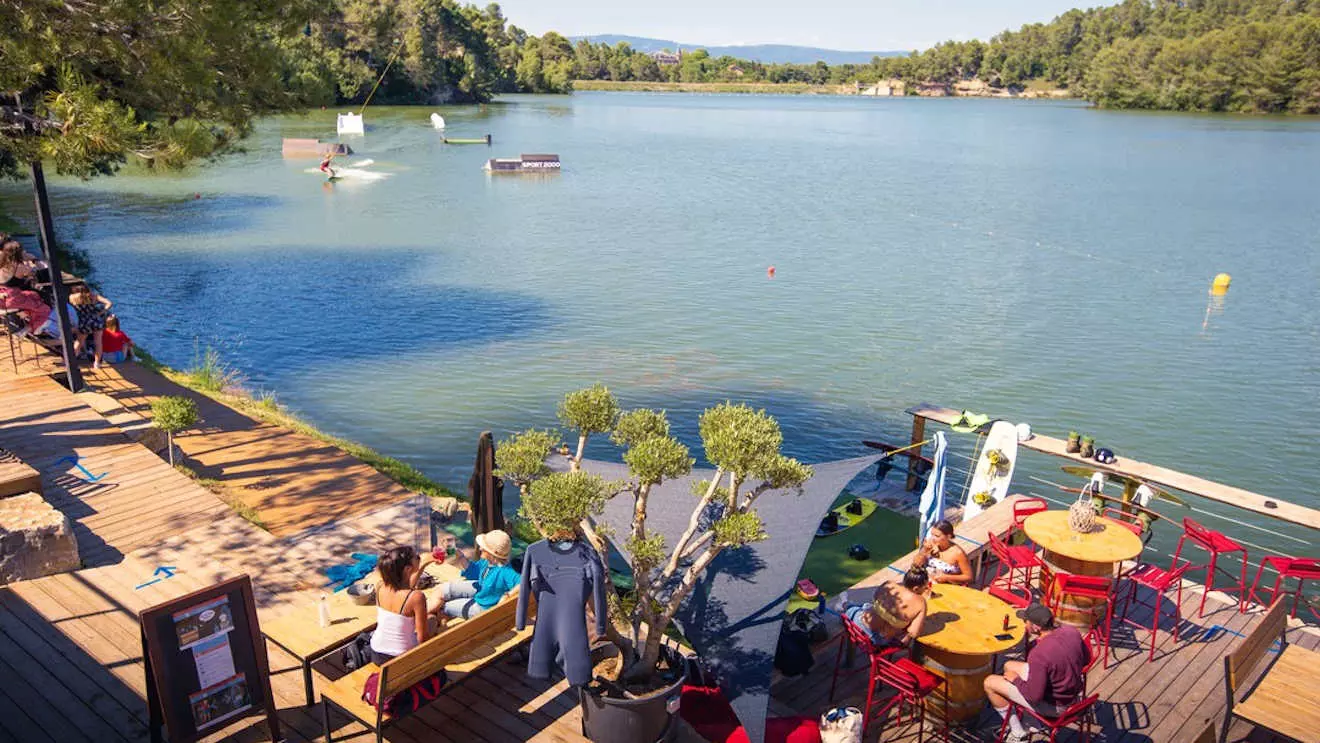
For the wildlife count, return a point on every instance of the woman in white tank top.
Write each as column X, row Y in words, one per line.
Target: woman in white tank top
column 401, row 611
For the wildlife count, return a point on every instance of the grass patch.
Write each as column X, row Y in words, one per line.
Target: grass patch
column 223, row 493
column 266, row 409
column 209, row 373
column 886, row 534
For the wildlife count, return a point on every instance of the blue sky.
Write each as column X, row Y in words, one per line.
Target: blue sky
column 868, row 25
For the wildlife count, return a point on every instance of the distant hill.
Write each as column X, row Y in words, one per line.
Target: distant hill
column 766, row 53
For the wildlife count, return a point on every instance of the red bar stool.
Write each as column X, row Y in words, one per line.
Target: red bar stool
column 1026, row 507
column 1093, row 587
column 1216, row 544
column 1012, row 561
column 1301, row 568
column 912, row 684
column 855, row 636
column 1128, row 521
column 1079, row 714
column 1158, row 580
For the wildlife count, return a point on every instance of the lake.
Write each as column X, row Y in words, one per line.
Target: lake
column 1041, row 261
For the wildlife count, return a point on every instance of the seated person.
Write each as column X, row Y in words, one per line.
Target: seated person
column 943, row 558
column 401, row 612
column 895, row 615
column 15, row 288
column 117, row 347
column 1052, row 678
column 485, row 581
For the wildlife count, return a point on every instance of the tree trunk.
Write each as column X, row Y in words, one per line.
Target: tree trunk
column 576, row 464
column 169, row 438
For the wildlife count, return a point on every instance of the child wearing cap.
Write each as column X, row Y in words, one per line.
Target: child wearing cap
column 485, row 580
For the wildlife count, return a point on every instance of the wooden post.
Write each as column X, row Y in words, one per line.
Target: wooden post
column 914, row 455
column 59, row 292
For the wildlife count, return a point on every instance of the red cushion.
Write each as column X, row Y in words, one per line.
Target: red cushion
column 707, row 711
column 926, row 681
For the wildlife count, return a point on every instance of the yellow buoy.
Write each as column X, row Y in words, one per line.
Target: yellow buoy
column 1220, row 284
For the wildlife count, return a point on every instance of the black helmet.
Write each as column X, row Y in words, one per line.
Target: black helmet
column 1105, row 456
column 859, row 552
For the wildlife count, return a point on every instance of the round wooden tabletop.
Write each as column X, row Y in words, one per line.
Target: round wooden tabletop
column 1109, row 543
column 965, row 621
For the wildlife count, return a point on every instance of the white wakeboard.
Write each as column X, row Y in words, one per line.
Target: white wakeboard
column 1003, row 438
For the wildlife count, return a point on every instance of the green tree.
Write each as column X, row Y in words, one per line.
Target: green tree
column 88, row 85
column 744, row 446
column 172, row 415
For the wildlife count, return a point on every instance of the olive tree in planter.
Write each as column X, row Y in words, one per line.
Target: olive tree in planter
column 742, row 444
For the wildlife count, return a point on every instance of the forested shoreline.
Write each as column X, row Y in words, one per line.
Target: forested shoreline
column 1194, row 55
column 89, row 83
column 1260, row 56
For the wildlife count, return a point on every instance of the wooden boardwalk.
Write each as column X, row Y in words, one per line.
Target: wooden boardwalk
column 140, row 500
column 293, row 481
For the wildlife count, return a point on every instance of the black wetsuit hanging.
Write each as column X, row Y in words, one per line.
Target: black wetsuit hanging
column 561, row 575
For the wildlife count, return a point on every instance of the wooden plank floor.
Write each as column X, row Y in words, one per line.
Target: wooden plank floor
column 27, row 360
column 141, row 499
column 1169, row 699
column 295, row 482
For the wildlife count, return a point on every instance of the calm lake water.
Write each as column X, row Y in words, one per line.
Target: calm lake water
column 1040, row 261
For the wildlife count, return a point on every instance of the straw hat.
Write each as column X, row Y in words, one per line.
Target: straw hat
column 497, row 543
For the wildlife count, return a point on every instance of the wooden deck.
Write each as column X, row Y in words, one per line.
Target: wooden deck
column 140, row 501
column 294, row 482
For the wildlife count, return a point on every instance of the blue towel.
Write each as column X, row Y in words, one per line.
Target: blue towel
column 343, row 576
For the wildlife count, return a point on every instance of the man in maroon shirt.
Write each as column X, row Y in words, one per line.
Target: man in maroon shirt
column 1052, row 678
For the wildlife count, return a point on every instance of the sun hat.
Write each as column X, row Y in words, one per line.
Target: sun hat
column 497, row 543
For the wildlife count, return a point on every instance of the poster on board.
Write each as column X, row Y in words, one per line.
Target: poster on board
column 206, row 663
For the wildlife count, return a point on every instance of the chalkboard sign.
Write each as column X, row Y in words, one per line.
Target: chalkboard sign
column 206, row 662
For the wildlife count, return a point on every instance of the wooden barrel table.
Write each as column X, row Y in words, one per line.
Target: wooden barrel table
column 959, row 641
column 1097, row 553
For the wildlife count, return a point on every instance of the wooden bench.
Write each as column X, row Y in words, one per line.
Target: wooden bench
column 1286, row 699
column 460, row 649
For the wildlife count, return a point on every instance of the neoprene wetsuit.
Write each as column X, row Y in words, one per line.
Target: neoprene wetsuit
column 561, row 575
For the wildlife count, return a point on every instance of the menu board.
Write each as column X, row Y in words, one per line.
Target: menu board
column 206, row 662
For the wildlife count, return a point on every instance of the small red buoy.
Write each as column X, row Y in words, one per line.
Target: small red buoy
column 196, row 196
column 770, row 272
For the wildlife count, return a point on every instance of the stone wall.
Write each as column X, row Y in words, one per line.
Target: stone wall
column 35, row 539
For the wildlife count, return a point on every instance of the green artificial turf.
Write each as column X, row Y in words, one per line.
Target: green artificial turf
column 886, row 534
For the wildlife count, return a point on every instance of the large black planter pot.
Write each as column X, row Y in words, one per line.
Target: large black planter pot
column 649, row 720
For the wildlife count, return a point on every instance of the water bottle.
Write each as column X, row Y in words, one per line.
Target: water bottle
column 323, row 610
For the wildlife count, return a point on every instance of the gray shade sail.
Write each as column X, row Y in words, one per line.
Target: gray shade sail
column 733, row 616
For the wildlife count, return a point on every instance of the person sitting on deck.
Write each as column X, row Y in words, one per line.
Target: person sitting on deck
column 402, row 618
column 15, row 287
column 895, row 615
column 116, row 344
column 1052, row 678
column 943, row 558
column 485, row 580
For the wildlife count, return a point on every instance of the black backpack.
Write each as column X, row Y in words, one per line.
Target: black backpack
column 358, row 653
column 793, row 656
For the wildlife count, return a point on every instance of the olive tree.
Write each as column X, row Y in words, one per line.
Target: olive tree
column 742, row 444
column 172, row 415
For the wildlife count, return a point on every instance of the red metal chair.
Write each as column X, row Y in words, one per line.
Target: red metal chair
column 1158, row 580
column 911, row 684
column 856, row 637
column 1012, row 560
column 1301, row 568
column 1216, row 544
column 1025, row 507
column 1079, row 714
column 1008, row 597
column 1129, row 521
column 1091, row 587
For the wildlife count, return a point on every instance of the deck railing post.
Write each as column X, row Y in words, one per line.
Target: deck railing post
column 59, row 293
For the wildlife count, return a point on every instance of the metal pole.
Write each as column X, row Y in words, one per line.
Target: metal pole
column 58, row 290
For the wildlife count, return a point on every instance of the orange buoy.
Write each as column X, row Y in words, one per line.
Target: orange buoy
column 770, row 272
